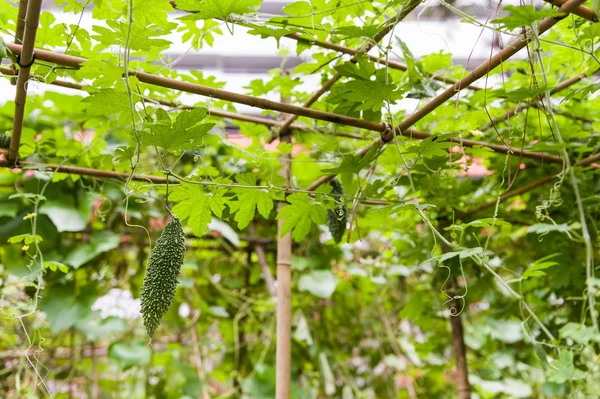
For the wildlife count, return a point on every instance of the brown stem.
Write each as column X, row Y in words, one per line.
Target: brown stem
column 460, row 352
column 32, row 21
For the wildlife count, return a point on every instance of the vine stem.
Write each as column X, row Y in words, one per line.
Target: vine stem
column 589, row 248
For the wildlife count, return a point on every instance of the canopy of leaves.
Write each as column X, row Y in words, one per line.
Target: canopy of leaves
column 468, row 215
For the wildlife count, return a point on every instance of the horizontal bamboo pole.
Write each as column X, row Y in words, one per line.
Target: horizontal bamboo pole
column 75, row 170
column 75, row 62
column 212, row 111
column 582, row 11
column 109, row 174
column 26, row 57
column 477, row 73
column 67, row 60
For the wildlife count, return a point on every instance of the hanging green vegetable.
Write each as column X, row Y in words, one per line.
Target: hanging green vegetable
column 163, row 268
column 338, row 217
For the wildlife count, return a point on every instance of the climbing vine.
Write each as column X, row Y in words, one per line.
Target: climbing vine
column 441, row 219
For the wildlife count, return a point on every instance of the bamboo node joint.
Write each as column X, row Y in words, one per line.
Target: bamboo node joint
column 26, row 65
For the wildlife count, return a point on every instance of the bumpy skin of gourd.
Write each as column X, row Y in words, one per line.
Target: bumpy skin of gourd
column 337, row 218
column 4, row 141
column 163, row 268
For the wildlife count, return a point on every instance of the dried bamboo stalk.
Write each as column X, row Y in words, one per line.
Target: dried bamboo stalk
column 32, row 21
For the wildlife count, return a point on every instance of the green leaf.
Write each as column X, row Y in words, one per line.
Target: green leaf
column 320, row 283
column 140, row 37
column 198, row 205
column 249, row 200
column 8, row 209
column 107, row 102
column 520, row 16
column 220, row 9
column 101, row 242
column 596, row 7
column 63, row 308
column 544, row 228
column 353, row 163
column 578, row 333
column 53, row 265
column 130, row 354
column 25, row 238
column 563, row 370
column 299, row 215
column 185, row 134
column 535, row 269
column 67, row 217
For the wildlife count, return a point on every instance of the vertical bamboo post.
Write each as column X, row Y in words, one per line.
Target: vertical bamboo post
column 19, row 34
column 284, row 292
column 32, row 21
column 460, row 352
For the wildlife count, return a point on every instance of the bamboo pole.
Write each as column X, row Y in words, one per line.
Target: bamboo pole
column 411, row 5
column 32, row 21
column 483, row 69
column 19, row 34
column 460, row 353
column 75, row 170
column 212, row 111
column 582, row 11
column 283, row 349
column 67, row 60
column 463, row 387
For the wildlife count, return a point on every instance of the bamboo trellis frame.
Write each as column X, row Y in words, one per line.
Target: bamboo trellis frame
column 26, row 53
column 67, row 60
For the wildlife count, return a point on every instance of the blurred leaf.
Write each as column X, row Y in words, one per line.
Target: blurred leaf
column 129, row 354
column 321, row 283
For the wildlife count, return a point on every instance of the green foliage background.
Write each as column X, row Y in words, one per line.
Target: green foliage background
column 371, row 315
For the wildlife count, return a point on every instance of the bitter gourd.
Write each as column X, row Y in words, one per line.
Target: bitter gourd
column 163, row 268
column 337, row 218
column 4, row 141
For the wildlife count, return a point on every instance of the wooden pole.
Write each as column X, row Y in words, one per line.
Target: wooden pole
column 482, row 70
column 284, row 292
column 32, row 21
column 463, row 387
